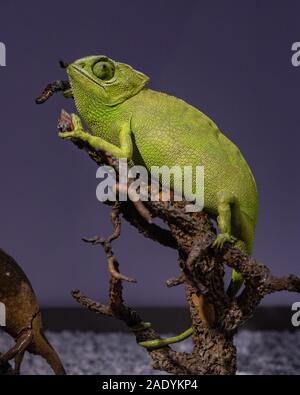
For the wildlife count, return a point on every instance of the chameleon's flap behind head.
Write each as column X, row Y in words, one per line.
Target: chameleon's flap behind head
column 104, row 80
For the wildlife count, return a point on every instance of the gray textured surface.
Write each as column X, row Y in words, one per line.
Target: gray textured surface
column 116, row 353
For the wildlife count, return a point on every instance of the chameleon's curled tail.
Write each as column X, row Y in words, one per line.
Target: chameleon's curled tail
column 234, row 287
column 235, row 283
column 236, row 278
column 157, row 343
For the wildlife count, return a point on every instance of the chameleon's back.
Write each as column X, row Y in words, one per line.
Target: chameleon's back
column 168, row 131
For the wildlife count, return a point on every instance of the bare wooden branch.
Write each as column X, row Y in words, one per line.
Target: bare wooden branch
column 173, row 282
column 215, row 315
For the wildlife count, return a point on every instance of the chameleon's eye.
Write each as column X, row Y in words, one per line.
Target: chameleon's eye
column 104, row 70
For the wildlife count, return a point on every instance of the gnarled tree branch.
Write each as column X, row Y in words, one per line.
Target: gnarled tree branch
column 216, row 316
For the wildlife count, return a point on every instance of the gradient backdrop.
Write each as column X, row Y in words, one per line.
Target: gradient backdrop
column 231, row 59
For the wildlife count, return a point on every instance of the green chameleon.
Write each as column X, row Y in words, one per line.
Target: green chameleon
column 151, row 128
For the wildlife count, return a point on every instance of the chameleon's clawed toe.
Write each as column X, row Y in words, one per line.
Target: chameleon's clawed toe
column 223, row 238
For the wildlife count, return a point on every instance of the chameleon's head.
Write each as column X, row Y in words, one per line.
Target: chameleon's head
column 102, row 80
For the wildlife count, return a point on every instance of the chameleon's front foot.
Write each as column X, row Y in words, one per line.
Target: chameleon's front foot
column 76, row 133
column 71, row 129
column 223, row 238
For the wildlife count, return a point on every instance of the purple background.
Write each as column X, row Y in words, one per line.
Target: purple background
column 231, row 59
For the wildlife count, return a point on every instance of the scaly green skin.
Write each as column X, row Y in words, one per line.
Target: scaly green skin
column 154, row 129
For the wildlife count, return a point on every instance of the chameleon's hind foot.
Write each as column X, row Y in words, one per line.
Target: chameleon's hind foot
column 223, row 238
